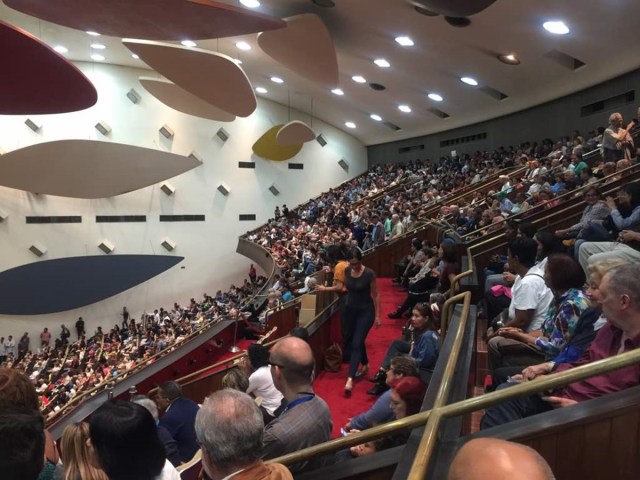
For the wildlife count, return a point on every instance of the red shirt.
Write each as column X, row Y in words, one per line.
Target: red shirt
column 606, row 344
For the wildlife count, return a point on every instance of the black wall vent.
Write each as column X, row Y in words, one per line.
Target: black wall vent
column 468, row 139
column 182, row 218
column 608, row 103
column 412, row 148
column 120, row 218
column 55, row 219
column 296, row 166
column 247, row 216
column 246, row 165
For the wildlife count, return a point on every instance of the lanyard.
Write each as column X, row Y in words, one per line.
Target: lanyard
column 297, row 401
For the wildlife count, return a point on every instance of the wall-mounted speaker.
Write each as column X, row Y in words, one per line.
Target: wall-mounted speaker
column 224, row 189
column 222, row 134
column 167, row 188
column 166, row 132
column 168, row 244
column 343, row 164
column 134, row 96
column 38, row 249
column 32, row 125
column 321, row 140
column 195, row 156
column 103, row 127
column 3, row 215
column 273, row 189
column 106, row 246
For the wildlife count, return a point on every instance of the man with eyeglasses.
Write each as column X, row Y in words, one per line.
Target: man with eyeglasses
column 306, row 420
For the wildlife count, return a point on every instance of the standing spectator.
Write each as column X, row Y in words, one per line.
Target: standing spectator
column 125, row 318
column 3, row 353
column 252, row 274
column 23, row 346
column 170, row 445
column 229, row 429
column 64, row 334
column 9, row 346
column 179, row 418
column 616, row 140
column 80, row 327
column 45, row 337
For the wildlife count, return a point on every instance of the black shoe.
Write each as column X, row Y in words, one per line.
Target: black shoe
column 379, row 377
column 378, row 389
column 395, row 314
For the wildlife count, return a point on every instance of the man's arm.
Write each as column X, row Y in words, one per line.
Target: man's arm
column 522, row 319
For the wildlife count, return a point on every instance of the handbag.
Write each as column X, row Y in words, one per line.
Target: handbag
column 333, row 358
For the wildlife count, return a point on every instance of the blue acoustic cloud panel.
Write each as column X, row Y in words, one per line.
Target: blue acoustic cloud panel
column 66, row 283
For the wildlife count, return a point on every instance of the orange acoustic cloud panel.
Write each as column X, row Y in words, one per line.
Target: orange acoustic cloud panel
column 88, row 169
column 314, row 54
column 150, row 19
column 179, row 99
column 37, row 80
column 212, row 77
column 294, row 133
column 267, row 146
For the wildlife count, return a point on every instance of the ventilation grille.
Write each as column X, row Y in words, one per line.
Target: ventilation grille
column 412, row 148
column 608, row 103
column 59, row 219
column 468, row 139
column 564, row 59
column 492, row 92
column 392, row 126
column 296, row 166
column 182, row 218
column 246, row 165
column 438, row 113
column 247, row 216
column 120, row 218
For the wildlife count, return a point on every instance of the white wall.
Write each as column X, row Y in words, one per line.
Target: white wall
column 208, row 247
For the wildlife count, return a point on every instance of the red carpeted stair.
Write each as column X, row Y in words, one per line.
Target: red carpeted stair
column 330, row 385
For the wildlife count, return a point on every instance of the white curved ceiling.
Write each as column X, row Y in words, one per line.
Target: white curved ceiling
column 603, row 35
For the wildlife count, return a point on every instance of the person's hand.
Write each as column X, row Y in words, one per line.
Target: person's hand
column 517, row 378
column 509, row 278
column 509, row 332
column 378, row 322
column 326, row 269
column 347, row 426
column 611, row 203
column 561, row 233
column 627, row 236
column 535, row 371
column 559, row 402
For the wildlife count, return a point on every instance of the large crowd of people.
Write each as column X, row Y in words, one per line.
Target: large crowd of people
column 541, row 319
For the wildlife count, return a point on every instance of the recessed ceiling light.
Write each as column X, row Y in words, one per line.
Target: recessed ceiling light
column 135, row 56
column 238, row 61
column 93, row 34
column 98, row 46
column 337, row 91
column 277, row 80
column 405, row 41
column 243, row 46
column 350, row 124
column 382, row 63
column 250, row 3
column 509, row 59
column 188, row 43
column 469, row 81
column 376, row 117
column 261, row 90
column 60, row 49
column 404, row 108
column 359, row 79
column 435, row 97
column 556, row 26
column 97, row 57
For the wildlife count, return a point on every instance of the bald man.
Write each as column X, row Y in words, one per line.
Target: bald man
column 306, row 420
column 484, row 458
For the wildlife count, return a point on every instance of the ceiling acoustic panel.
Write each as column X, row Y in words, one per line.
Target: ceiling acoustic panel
column 150, row 19
column 455, row 8
column 179, row 99
column 314, row 55
column 267, row 146
column 88, row 169
column 294, row 133
column 37, row 80
column 63, row 284
column 212, row 77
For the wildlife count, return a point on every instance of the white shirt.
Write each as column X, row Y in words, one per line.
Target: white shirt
column 531, row 293
column 9, row 345
column 261, row 385
column 168, row 472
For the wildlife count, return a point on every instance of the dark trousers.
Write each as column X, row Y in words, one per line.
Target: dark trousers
column 513, row 410
column 397, row 347
column 495, row 305
column 418, row 292
column 346, row 328
column 360, row 322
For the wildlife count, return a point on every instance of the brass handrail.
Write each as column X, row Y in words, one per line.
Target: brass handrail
column 447, row 311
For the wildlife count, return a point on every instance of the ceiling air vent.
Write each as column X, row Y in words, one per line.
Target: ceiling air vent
column 392, row 126
column 438, row 113
column 564, row 59
column 492, row 92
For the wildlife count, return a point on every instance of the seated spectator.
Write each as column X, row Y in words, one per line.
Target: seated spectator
column 423, row 346
column 170, row 445
column 229, row 429
column 565, row 278
column 441, row 278
column 401, row 366
column 529, row 303
column 21, row 443
column 125, row 443
column 483, row 458
column 179, row 417
column 619, row 294
column 261, row 384
column 235, row 379
column 75, row 454
column 586, row 177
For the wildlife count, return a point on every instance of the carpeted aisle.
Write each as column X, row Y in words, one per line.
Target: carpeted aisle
column 330, row 385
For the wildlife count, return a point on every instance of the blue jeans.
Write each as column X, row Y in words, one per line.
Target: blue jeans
column 513, row 410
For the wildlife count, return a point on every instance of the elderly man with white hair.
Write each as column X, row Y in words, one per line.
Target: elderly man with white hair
column 616, row 139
